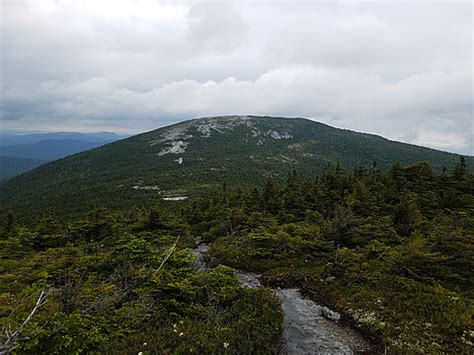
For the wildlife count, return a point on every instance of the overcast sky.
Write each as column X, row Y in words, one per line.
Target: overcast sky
column 399, row 69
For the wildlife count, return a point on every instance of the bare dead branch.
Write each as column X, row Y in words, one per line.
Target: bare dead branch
column 169, row 253
column 13, row 337
column 337, row 253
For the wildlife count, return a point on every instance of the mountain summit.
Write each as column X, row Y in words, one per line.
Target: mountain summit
column 178, row 161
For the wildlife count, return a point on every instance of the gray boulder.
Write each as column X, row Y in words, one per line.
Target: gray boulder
column 329, row 314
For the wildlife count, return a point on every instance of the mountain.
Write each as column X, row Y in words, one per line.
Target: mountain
column 10, row 167
column 17, row 139
column 186, row 158
column 50, row 149
column 32, row 150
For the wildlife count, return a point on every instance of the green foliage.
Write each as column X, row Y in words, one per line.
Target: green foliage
column 385, row 249
column 12, row 166
column 393, row 251
column 133, row 172
column 107, row 294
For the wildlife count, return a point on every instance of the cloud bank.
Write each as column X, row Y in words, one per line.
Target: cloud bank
column 401, row 70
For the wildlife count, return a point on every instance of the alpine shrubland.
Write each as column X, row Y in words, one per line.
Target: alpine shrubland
column 393, row 251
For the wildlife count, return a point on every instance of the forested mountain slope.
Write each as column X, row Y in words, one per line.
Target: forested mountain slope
column 10, row 166
column 23, row 152
column 186, row 158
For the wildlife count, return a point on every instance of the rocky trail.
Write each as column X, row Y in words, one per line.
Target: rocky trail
column 308, row 328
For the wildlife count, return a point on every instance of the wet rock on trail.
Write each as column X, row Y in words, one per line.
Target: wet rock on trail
column 308, row 328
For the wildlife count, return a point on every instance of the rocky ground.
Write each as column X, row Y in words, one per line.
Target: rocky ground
column 308, row 328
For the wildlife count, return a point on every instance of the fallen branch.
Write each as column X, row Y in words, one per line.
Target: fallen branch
column 13, row 337
column 337, row 253
column 382, row 254
column 169, row 254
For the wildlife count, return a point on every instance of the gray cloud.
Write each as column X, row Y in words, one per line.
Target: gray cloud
column 396, row 69
column 216, row 27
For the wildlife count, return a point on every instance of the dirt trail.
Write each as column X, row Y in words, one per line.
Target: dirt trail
column 305, row 329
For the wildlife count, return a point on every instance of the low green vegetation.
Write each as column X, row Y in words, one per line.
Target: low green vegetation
column 108, row 294
column 393, row 251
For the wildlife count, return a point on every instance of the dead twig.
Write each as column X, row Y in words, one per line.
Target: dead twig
column 13, row 337
column 169, row 254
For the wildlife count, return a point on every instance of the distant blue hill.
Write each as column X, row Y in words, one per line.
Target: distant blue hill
column 51, row 149
column 22, row 152
column 17, row 139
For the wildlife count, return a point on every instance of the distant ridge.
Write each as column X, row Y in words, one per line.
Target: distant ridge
column 27, row 151
column 50, row 149
column 17, row 139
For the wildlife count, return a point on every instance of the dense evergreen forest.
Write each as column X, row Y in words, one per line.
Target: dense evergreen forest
column 393, row 251
column 194, row 157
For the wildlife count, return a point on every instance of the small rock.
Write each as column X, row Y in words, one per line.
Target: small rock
column 330, row 278
column 329, row 314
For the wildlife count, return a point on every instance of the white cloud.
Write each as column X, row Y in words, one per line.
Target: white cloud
column 441, row 140
column 398, row 69
column 216, row 27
